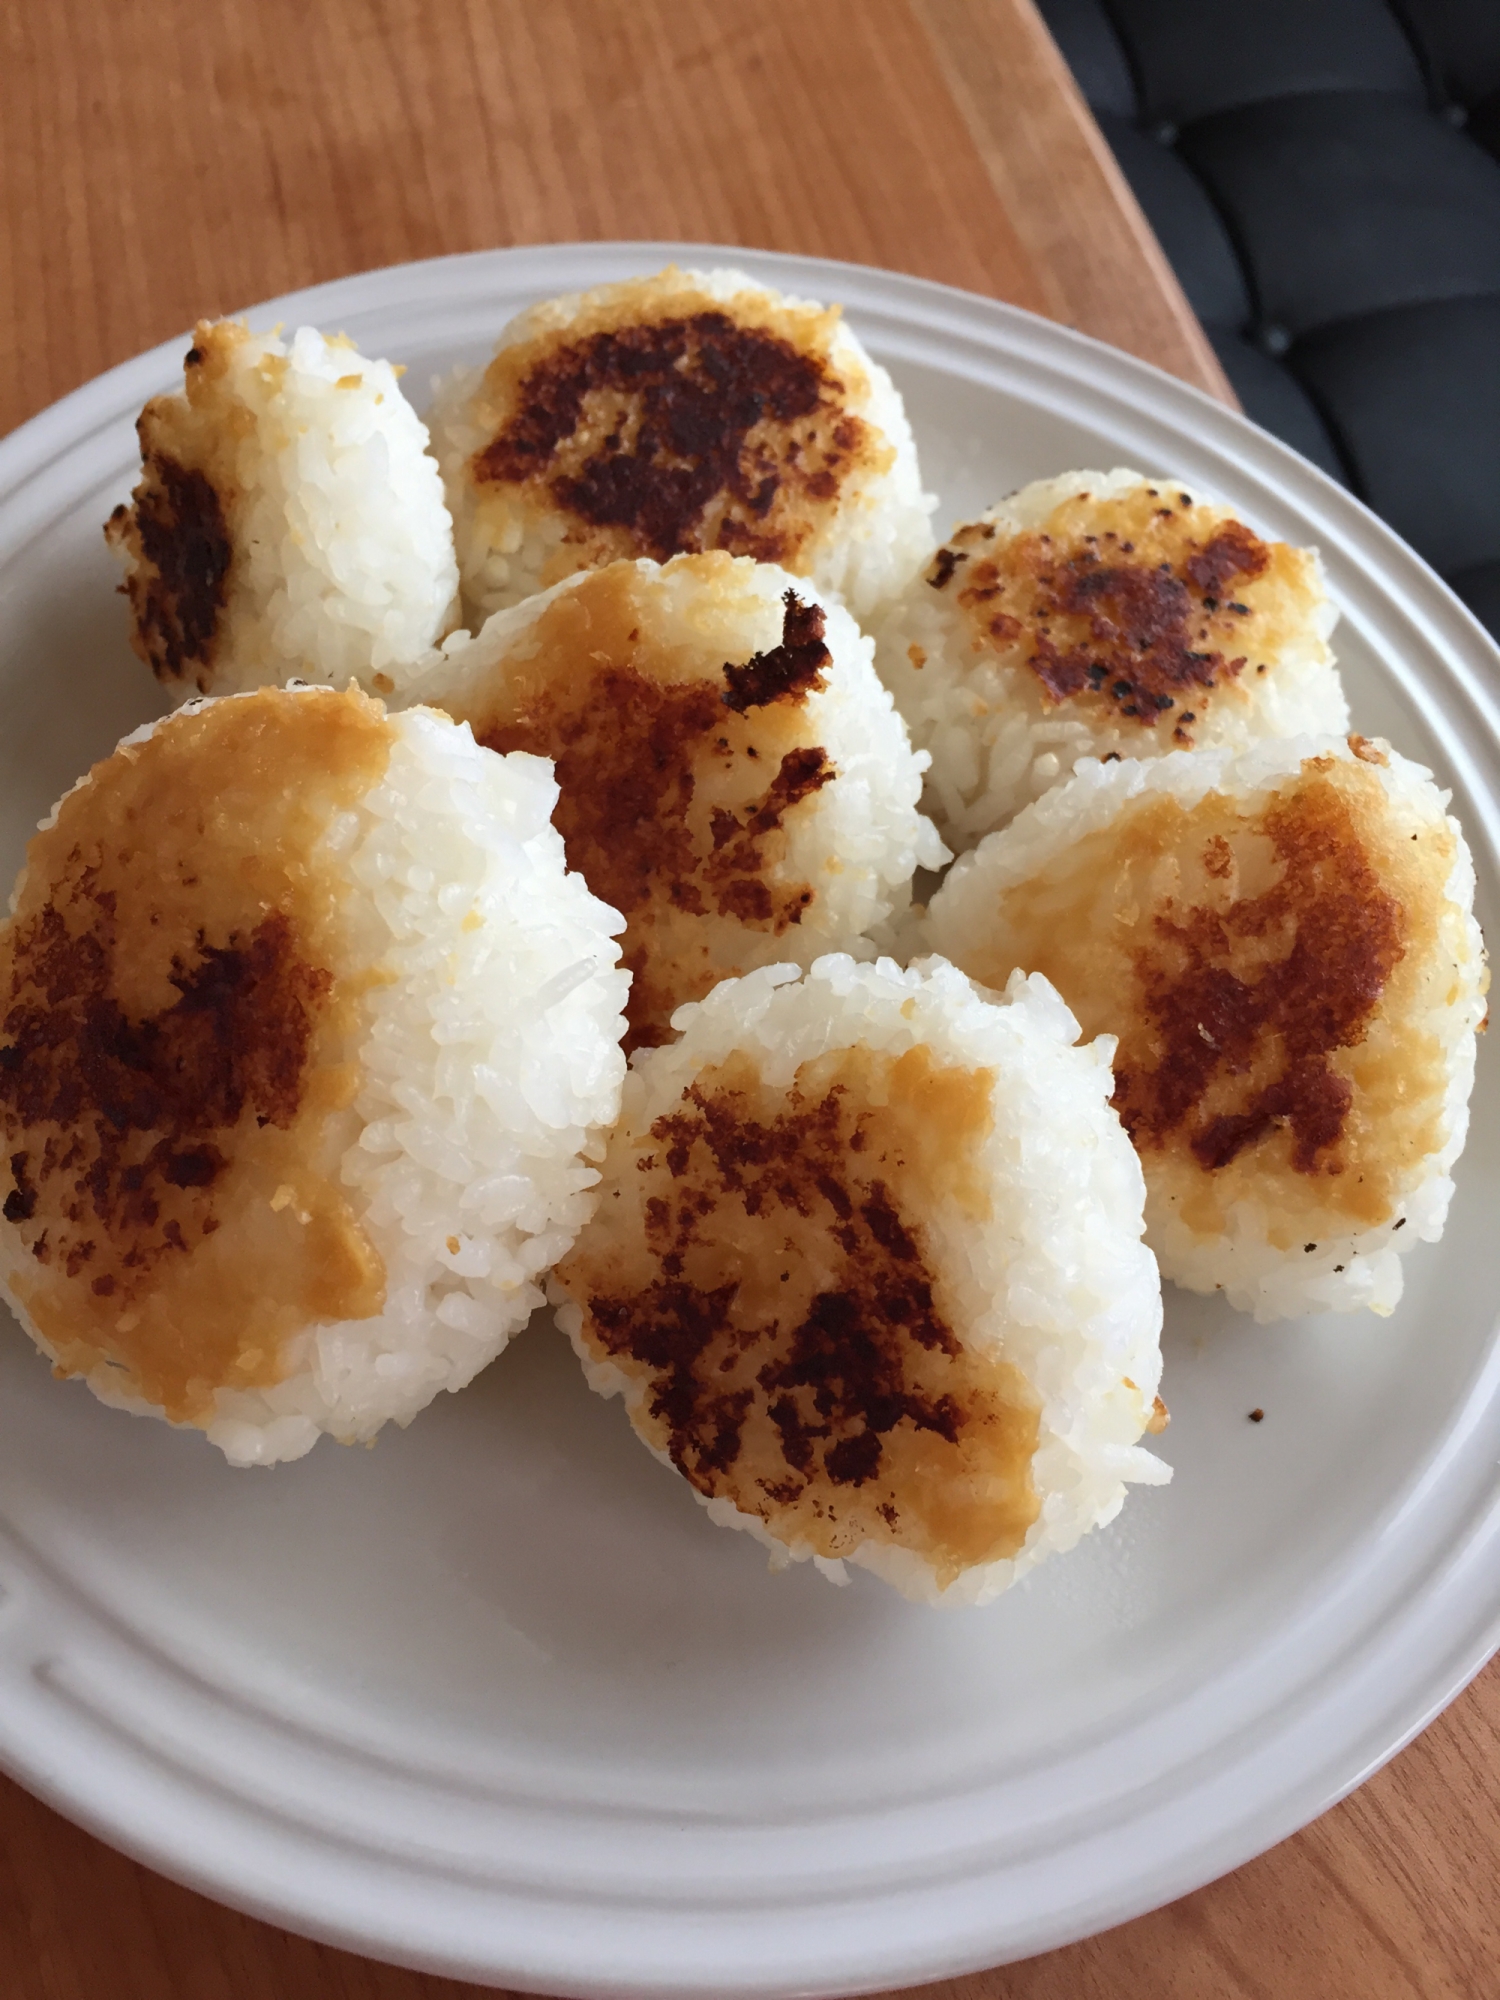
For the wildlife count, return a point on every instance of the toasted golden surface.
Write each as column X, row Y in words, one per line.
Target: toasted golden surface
column 760, row 1270
column 176, row 530
column 1267, row 968
column 660, row 420
column 678, row 773
column 1148, row 607
column 174, row 1051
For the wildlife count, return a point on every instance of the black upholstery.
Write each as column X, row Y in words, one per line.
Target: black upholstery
column 1324, row 176
column 1082, row 30
column 1346, row 203
column 1198, row 246
column 1479, row 588
column 1194, row 58
column 1425, row 437
column 1460, row 45
column 1277, row 400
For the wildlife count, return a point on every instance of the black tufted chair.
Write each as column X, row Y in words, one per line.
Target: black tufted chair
column 1325, row 177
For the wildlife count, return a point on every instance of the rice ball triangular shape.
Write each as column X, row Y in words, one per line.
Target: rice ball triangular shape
column 289, row 522
column 1101, row 614
column 1284, row 943
column 674, row 414
column 733, row 776
column 867, row 1271
column 307, row 1045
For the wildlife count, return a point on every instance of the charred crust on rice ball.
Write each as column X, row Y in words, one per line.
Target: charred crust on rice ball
column 115, row 1110
column 787, row 672
column 1291, row 975
column 816, row 1408
column 171, row 1015
column 1131, row 620
column 1213, row 1025
column 177, row 531
column 626, row 747
column 688, row 433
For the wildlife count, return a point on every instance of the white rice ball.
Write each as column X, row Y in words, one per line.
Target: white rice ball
column 309, row 1043
column 674, row 414
column 289, row 521
column 734, row 778
column 867, row 1270
column 1101, row 614
column 1284, row 942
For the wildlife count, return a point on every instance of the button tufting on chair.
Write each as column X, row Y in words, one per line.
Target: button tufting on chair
column 1324, row 176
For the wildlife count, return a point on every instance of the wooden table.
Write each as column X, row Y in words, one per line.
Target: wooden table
column 170, row 158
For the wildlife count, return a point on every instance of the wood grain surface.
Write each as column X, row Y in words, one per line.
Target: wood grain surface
column 165, row 159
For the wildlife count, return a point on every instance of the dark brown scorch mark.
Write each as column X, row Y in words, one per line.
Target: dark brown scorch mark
column 702, row 395
column 113, row 1111
column 1128, row 628
column 20, row 1203
column 836, row 1383
column 177, row 589
column 1233, row 552
column 625, row 747
column 788, row 672
column 739, row 840
column 1347, row 936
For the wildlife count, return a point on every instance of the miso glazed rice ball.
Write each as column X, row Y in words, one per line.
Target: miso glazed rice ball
column 289, row 522
column 734, row 778
column 674, row 414
column 1101, row 615
column 1284, row 943
column 867, row 1270
column 307, row 1042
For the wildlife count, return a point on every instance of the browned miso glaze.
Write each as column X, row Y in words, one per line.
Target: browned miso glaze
column 1139, row 607
column 676, row 784
column 176, row 528
column 668, row 424
column 173, row 1025
column 797, row 1351
column 1207, row 1022
column 183, row 551
column 1265, row 968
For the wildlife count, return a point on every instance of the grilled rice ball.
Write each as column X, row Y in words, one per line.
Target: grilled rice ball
column 306, row 1040
column 735, row 780
column 675, row 414
column 1284, row 943
column 867, row 1271
column 1101, row 615
column 289, row 522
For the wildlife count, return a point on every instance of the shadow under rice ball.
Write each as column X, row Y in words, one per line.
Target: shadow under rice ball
column 867, row 1271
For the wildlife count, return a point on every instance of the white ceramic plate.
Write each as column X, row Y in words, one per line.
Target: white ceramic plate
column 495, row 1699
